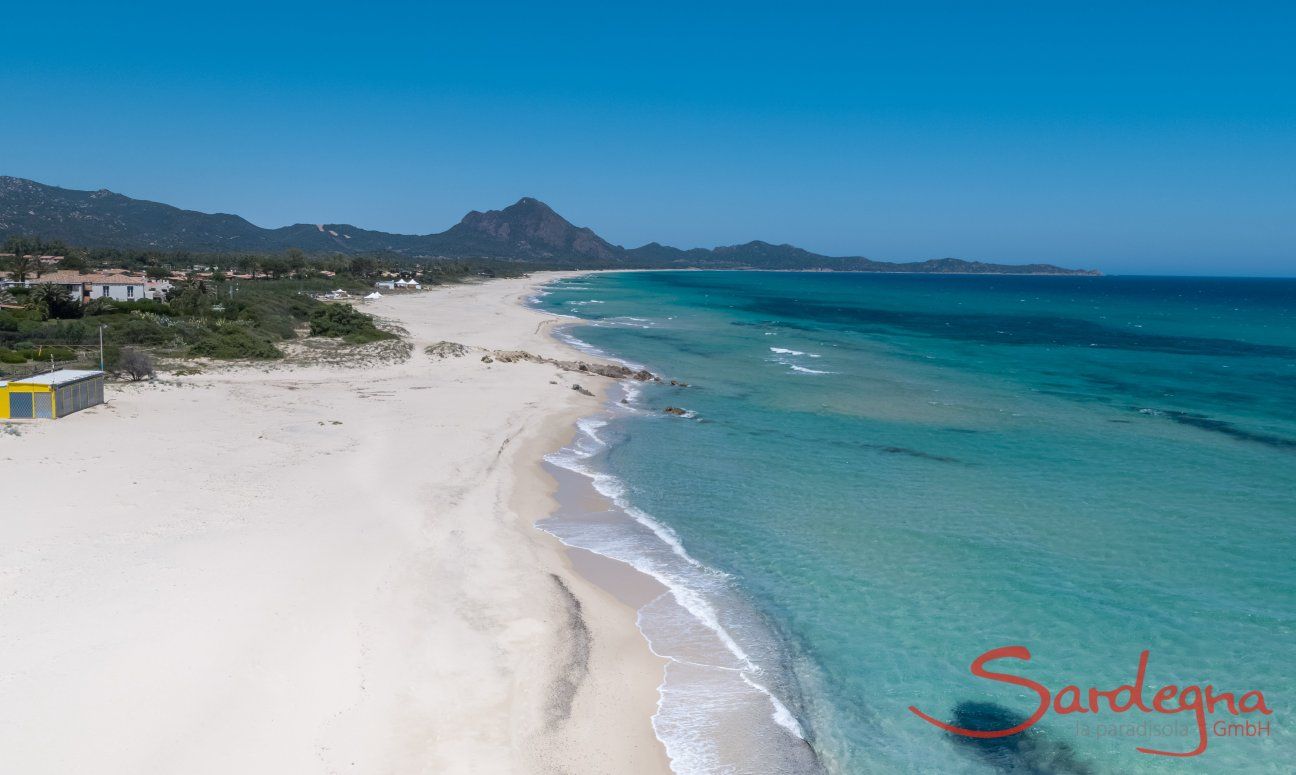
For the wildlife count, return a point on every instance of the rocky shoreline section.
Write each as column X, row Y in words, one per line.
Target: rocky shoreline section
column 609, row 370
column 445, row 349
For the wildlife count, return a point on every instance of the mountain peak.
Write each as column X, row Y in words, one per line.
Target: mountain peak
column 532, row 226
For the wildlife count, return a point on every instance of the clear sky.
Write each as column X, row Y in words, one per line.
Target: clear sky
column 1130, row 136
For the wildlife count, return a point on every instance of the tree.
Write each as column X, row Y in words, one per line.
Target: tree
column 74, row 261
column 274, row 266
column 363, row 266
column 32, row 247
column 136, row 365
column 19, row 245
column 191, row 299
column 20, row 266
column 53, row 301
column 157, row 272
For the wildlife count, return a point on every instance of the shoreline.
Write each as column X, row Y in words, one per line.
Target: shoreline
column 716, row 708
column 595, row 580
column 297, row 568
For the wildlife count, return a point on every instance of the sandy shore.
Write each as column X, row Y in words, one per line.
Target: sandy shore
column 317, row 569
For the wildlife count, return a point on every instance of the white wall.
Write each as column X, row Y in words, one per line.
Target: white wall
column 119, row 292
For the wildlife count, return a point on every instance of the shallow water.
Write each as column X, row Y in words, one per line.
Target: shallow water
column 884, row 476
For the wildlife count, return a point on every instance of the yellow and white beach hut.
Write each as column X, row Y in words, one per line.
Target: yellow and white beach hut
column 55, row 394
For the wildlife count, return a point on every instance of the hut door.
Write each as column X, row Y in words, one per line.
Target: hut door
column 20, row 405
column 44, row 405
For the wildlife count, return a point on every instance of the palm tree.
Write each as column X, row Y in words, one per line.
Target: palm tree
column 52, row 301
column 21, row 247
column 22, row 266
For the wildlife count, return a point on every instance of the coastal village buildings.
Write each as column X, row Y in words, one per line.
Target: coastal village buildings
column 110, row 284
column 87, row 287
column 391, row 285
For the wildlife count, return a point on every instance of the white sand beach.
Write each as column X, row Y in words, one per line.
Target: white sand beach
column 317, row 569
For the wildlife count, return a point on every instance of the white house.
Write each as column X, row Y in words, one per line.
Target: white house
column 87, row 287
column 158, row 289
column 388, row 284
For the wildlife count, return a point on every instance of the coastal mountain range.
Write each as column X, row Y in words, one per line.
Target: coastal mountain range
column 528, row 231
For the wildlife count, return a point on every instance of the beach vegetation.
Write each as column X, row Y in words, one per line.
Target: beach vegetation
column 135, row 365
column 346, row 322
column 202, row 317
column 53, row 301
column 231, row 341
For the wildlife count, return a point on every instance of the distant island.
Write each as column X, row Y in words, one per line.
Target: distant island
column 527, row 232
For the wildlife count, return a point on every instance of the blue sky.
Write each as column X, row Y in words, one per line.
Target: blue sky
column 1132, row 137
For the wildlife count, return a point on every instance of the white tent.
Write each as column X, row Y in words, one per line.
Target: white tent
column 374, row 295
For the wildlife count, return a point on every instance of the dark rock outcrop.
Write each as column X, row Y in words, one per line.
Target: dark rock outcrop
column 609, row 370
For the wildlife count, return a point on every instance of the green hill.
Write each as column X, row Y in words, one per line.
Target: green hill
column 528, row 231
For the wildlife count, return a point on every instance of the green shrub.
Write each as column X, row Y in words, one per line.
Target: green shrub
column 138, row 330
column 9, row 356
column 345, row 321
column 231, row 342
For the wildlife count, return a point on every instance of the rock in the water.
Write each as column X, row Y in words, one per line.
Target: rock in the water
column 675, row 410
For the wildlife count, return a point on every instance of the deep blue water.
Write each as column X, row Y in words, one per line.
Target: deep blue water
column 883, row 476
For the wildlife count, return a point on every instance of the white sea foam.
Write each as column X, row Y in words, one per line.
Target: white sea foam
column 785, row 356
column 781, row 715
column 579, row 344
column 804, row 370
column 690, row 751
column 786, row 351
column 630, row 391
column 623, row 322
column 563, row 335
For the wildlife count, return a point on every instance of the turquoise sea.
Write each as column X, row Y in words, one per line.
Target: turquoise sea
column 881, row 477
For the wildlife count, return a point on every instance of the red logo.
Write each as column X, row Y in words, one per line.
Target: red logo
column 1169, row 700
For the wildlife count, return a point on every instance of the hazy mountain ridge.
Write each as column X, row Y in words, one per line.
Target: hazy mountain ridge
column 528, row 231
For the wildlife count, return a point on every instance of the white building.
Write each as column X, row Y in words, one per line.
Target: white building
column 388, row 284
column 87, row 287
